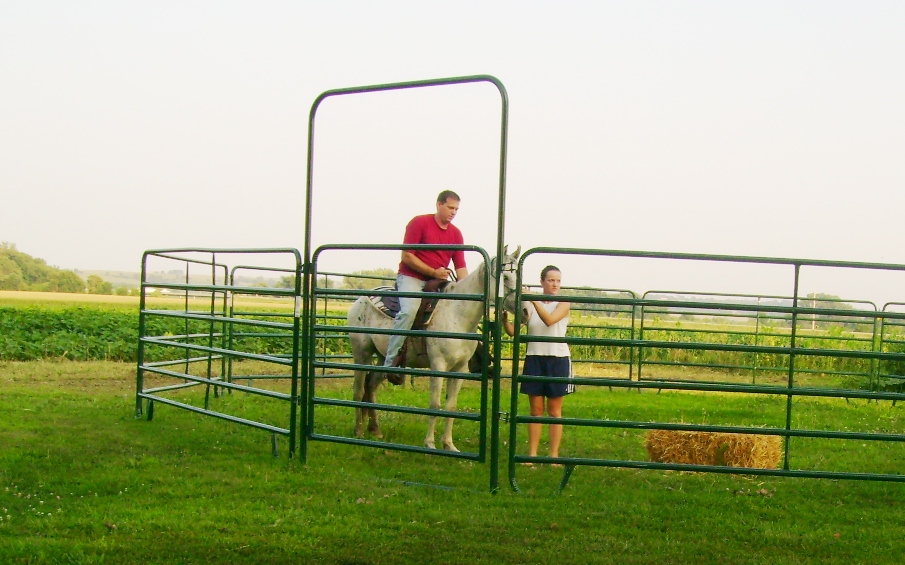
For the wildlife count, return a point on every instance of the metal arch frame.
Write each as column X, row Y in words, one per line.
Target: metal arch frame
column 308, row 302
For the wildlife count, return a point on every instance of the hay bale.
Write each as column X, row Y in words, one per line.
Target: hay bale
column 712, row 448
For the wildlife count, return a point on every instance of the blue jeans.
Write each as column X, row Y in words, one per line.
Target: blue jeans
column 408, row 308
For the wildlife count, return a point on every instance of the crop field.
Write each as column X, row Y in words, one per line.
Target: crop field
column 83, row 481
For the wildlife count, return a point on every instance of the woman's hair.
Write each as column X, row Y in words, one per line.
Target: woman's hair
column 546, row 270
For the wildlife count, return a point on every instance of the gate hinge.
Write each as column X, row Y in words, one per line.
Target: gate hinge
column 504, row 416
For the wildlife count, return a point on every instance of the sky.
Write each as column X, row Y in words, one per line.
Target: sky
column 769, row 128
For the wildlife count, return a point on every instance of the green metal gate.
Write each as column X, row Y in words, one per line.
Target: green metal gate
column 796, row 358
column 190, row 341
column 311, row 328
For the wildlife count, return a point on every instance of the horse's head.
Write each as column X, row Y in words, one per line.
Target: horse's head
column 510, row 279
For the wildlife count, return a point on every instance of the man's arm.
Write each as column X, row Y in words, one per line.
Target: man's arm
column 461, row 273
column 416, row 264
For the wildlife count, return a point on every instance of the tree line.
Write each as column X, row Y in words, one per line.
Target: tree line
column 21, row 271
column 359, row 280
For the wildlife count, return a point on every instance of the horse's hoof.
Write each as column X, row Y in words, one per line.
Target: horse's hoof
column 376, row 433
column 358, row 433
column 430, row 445
column 449, row 446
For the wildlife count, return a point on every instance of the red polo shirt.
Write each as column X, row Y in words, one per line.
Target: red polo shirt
column 424, row 229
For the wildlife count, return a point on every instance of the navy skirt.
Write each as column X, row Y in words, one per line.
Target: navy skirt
column 548, row 366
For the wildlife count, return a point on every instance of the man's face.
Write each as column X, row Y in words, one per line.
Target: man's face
column 446, row 211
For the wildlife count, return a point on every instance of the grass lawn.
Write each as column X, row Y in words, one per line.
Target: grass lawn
column 83, row 481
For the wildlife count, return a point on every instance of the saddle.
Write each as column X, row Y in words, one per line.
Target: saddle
column 389, row 305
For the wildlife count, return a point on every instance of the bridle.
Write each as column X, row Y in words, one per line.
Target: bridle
column 508, row 267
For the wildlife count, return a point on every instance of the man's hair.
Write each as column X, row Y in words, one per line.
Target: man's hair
column 446, row 195
column 546, row 271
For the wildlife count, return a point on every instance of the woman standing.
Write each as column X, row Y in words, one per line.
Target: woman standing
column 546, row 318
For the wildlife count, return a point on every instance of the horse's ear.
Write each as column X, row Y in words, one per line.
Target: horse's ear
column 505, row 250
column 518, row 251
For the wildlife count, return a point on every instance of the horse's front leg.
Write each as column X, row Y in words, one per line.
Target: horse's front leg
column 436, row 385
column 452, row 397
column 370, row 395
column 358, row 390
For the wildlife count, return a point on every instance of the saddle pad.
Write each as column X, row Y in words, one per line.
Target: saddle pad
column 389, row 305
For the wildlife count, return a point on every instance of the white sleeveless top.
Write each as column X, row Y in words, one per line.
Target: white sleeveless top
column 537, row 327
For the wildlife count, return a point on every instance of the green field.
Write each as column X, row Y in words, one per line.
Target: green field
column 83, row 481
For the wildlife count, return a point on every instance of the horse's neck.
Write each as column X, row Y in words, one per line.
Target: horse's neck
column 464, row 314
column 472, row 284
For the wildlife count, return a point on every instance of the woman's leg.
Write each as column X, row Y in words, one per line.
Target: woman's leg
column 537, row 409
column 554, row 410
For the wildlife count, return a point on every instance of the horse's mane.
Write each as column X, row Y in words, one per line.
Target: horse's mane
column 479, row 271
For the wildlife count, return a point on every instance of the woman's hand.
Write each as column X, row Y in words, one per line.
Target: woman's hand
column 507, row 325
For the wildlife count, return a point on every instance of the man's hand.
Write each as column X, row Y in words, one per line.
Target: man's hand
column 441, row 274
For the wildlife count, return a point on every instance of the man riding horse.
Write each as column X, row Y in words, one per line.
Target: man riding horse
column 422, row 265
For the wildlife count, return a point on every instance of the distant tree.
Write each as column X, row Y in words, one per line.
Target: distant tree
column 828, row 321
column 29, row 273
column 10, row 275
column 289, row 282
column 597, row 309
column 34, row 271
column 97, row 285
column 828, row 301
column 121, row 291
column 66, row 281
column 372, row 278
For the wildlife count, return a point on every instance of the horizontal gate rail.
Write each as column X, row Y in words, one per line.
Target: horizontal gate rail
column 474, row 417
column 400, row 371
column 630, row 424
column 726, row 387
column 571, row 462
column 177, row 361
column 215, row 414
column 220, row 319
column 361, row 442
column 221, row 384
column 381, row 331
column 220, row 350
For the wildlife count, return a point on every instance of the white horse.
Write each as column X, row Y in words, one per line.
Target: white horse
column 436, row 353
